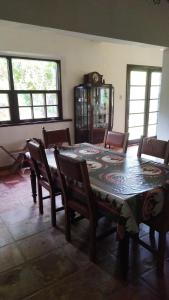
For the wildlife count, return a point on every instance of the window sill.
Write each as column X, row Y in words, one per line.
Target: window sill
column 36, row 122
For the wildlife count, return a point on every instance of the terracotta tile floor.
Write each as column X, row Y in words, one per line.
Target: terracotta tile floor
column 37, row 263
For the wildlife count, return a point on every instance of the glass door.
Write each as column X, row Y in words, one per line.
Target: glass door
column 81, row 108
column 143, row 95
column 153, row 103
column 101, row 106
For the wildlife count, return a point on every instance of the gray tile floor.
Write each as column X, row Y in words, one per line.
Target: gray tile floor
column 37, row 263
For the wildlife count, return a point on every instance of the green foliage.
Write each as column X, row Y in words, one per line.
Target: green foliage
column 34, row 75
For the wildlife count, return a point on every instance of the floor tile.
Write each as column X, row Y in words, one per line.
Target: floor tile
column 10, row 256
column 41, row 243
column 20, row 282
column 158, row 284
column 73, row 253
column 80, row 285
column 18, row 214
column 5, row 236
column 29, row 226
column 74, row 293
column 54, row 266
column 134, row 293
column 37, row 263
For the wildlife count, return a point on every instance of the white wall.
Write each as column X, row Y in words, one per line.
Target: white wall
column 78, row 56
column 163, row 126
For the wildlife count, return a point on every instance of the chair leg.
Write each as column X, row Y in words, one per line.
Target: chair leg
column 68, row 224
column 161, row 252
column 40, row 199
column 92, row 245
column 152, row 237
column 124, row 255
column 33, row 184
column 53, row 210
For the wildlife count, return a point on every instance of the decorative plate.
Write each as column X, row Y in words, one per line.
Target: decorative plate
column 151, row 170
column 113, row 159
column 70, row 154
column 93, row 165
column 89, row 151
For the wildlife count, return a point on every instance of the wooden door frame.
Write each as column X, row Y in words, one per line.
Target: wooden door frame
column 138, row 68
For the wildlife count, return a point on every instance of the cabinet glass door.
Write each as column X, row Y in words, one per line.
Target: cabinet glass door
column 101, row 106
column 81, row 108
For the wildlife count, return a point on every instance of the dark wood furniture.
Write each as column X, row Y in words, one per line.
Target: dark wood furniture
column 116, row 141
column 154, row 147
column 78, row 197
column 93, row 109
column 57, row 137
column 44, row 177
column 160, row 223
column 120, row 185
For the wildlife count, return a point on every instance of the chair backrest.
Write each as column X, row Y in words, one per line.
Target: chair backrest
column 53, row 138
column 39, row 160
column 154, row 147
column 116, row 139
column 74, row 179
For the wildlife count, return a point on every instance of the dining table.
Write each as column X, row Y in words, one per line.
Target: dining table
column 128, row 187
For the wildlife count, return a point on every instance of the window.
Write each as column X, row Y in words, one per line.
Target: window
column 143, row 95
column 30, row 90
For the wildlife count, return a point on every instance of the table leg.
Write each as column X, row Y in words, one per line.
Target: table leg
column 161, row 253
column 33, row 184
column 124, row 255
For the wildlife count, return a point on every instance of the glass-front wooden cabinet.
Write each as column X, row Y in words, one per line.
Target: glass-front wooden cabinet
column 93, row 107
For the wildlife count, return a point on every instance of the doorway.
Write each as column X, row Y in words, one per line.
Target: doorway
column 142, row 101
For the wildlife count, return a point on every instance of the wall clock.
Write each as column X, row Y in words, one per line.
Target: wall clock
column 93, row 78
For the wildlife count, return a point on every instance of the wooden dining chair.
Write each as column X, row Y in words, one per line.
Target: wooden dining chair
column 154, row 147
column 57, row 137
column 116, row 141
column 160, row 223
column 78, row 197
column 44, row 177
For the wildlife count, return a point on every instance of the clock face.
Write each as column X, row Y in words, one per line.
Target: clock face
column 95, row 77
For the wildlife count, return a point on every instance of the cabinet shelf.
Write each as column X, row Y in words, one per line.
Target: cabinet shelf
column 93, row 108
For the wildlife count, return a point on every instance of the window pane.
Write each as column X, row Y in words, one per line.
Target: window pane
column 135, row 133
column 154, row 92
column 153, row 105
column 24, row 99
column 25, row 113
column 152, row 130
column 52, row 112
column 38, row 99
column 4, row 101
column 51, row 99
column 136, row 120
column 34, row 74
column 137, row 93
column 4, row 79
column 153, row 118
column 156, row 78
column 138, row 78
column 39, row 112
column 136, row 106
column 4, row 114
